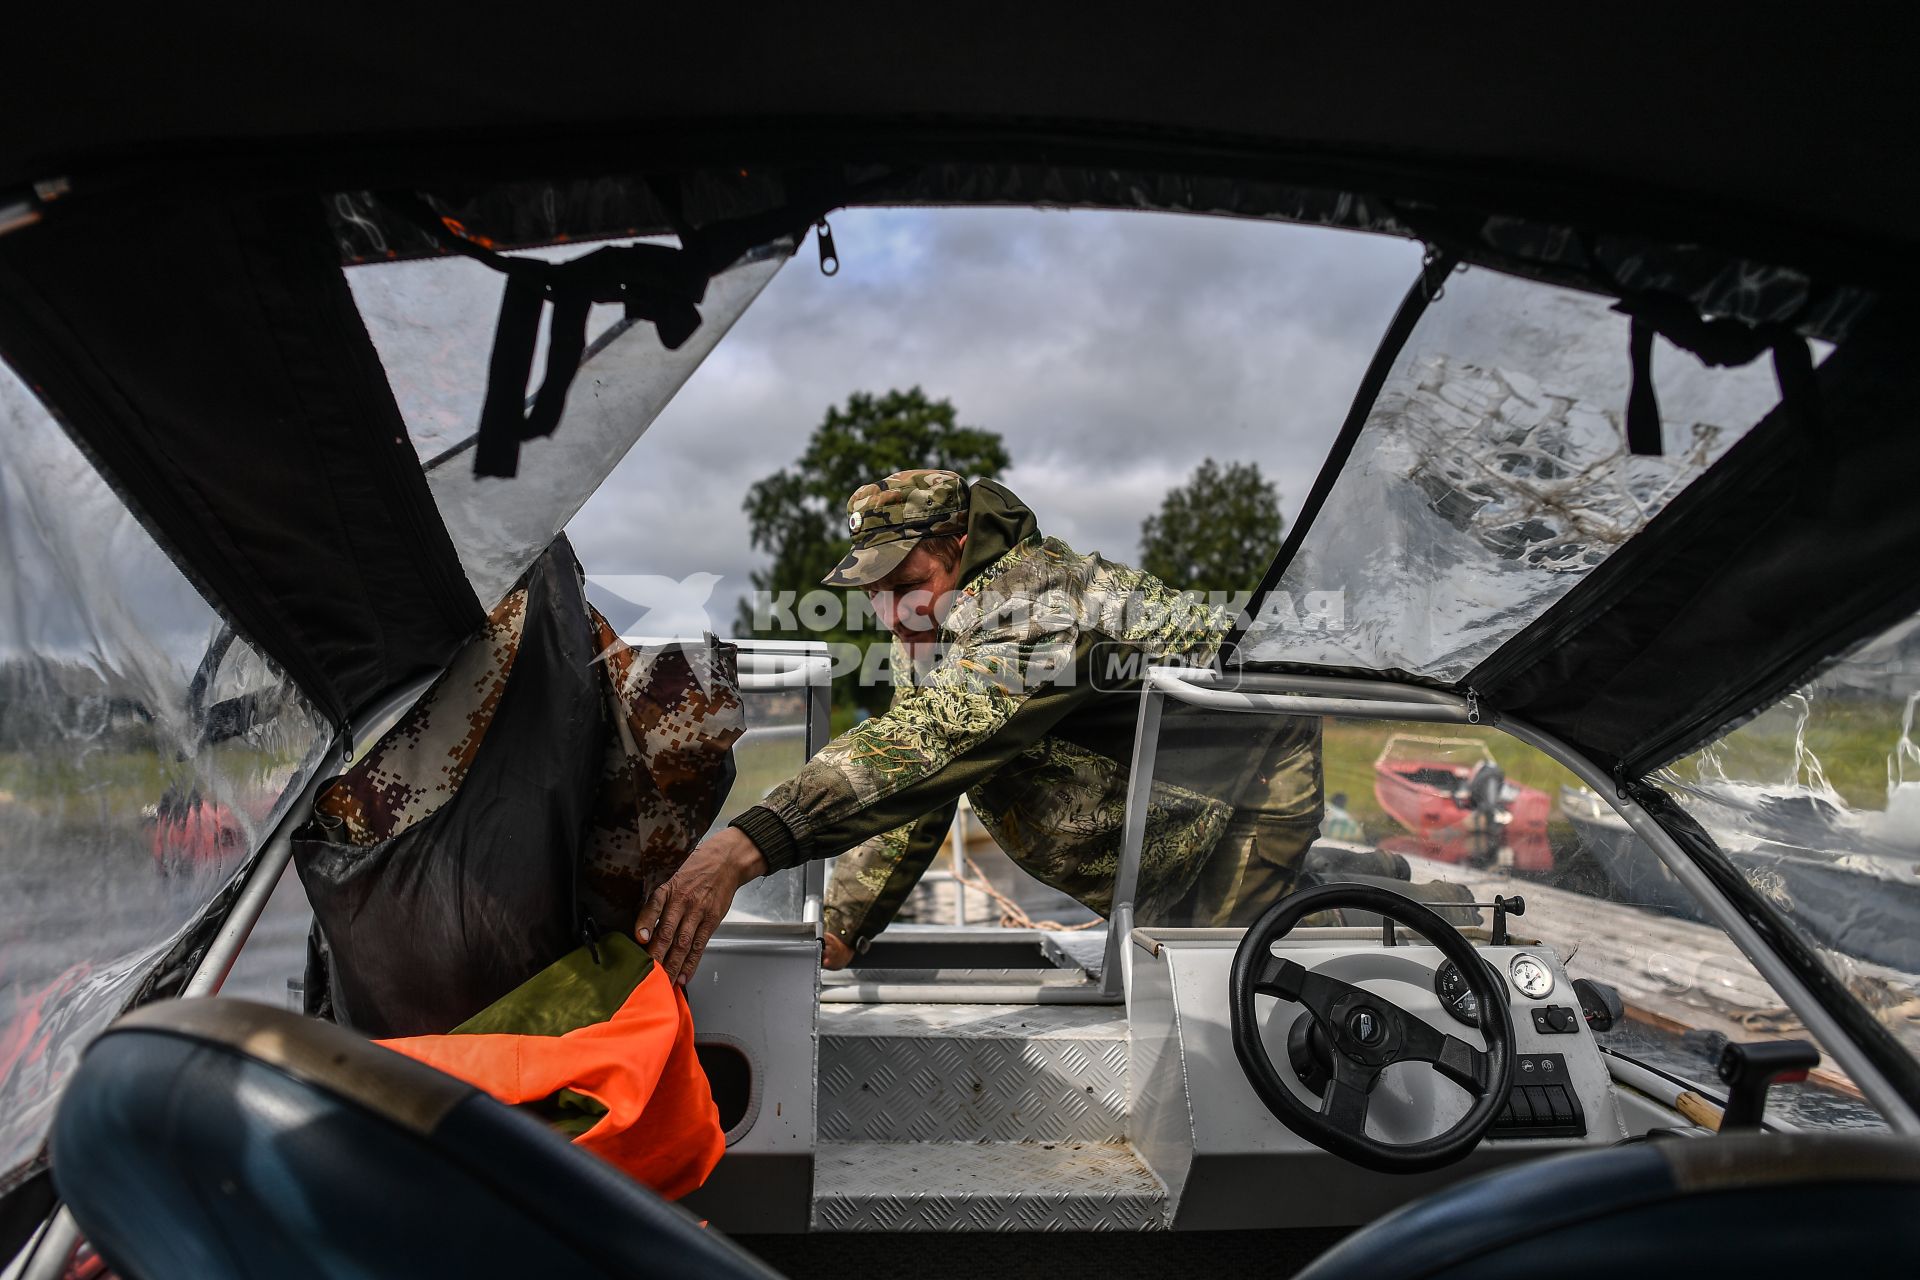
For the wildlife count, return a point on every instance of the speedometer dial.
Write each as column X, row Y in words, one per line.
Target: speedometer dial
column 1451, row 986
column 1531, row 975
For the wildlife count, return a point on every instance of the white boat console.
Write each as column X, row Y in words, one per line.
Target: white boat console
column 1227, row 1162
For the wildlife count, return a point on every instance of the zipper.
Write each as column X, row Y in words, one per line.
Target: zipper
column 829, row 256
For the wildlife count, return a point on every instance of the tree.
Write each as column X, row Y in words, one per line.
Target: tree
column 798, row 515
column 1217, row 532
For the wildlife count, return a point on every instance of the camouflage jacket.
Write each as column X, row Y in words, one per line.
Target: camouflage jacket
column 1029, row 710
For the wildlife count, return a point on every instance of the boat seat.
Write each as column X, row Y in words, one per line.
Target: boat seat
column 1753, row 1206
column 1330, row 864
column 222, row 1138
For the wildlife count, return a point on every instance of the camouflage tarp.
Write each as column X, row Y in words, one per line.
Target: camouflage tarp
column 533, row 796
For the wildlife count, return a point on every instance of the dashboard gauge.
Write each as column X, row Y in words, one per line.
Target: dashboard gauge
column 1455, row 996
column 1531, row 975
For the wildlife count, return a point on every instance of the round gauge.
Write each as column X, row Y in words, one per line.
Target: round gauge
column 1455, row 996
column 1531, row 975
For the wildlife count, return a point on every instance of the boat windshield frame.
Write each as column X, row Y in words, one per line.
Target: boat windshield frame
column 1345, row 697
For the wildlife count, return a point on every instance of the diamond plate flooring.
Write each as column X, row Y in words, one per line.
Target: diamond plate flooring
column 1025, row 1021
column 972, row 1073
column 953, row 1186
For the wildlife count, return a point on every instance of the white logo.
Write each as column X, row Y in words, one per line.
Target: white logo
column 669, row 606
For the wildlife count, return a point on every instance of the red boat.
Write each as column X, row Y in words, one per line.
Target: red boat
column 187, row 832
column 29, row 1067
column 1455, row 800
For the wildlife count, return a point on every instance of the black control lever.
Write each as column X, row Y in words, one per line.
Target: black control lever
column 1501, row 907
column 1749, row 1070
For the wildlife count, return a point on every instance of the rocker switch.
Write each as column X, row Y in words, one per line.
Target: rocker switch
column 1542, row 1102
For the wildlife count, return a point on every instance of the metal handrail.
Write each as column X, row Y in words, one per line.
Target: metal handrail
column 1287, row 682
column 1294, row 696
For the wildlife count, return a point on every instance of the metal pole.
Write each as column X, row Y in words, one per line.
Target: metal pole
column 55, row 1248
column 962, row 827
column 1333, row 686
column 1445, row 709
column 819, row 730
column 1126, row 876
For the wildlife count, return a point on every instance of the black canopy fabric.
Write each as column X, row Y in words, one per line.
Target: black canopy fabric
column 1763, row 121
column 1802, row 541
column 194, row 340
column 207, row 353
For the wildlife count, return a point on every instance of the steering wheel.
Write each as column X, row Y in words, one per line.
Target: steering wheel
column 1366, row 1033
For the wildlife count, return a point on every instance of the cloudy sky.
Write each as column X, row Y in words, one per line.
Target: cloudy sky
column 1112, row 351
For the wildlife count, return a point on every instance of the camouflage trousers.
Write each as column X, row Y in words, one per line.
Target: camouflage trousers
column 1254, row 864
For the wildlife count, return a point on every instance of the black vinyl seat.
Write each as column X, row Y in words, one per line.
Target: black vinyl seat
column 1752, row 1206
column 208, row 1139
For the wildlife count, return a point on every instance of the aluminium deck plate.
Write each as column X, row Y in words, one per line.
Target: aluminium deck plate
column 972, row 1073
column 984, row 1186
column 1012, row 1021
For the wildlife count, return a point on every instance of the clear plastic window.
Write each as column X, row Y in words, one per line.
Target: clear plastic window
column 1492, row 474
column 1817, row 802
column 771, row 751
column 432, row 324
column 129, row 792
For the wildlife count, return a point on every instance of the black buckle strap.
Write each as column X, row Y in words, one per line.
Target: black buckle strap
column 660, row 285
column 1720, row 344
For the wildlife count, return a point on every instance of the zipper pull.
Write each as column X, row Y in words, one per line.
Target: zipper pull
column 1473, row 706
column 590, row 934
column 829, row 256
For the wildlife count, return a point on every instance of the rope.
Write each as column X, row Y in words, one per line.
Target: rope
column 1011, row 916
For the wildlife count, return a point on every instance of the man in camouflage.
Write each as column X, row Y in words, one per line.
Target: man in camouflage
column 1002, row 638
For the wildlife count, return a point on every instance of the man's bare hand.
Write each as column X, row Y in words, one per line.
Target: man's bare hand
column 682, row 913
column 835, row 953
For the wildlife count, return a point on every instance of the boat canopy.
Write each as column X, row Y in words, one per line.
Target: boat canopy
column 180, row 302
column 1633, row 461
column 1551, row 468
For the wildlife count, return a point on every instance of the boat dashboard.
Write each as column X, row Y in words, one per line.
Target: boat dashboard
column 1204, row 1128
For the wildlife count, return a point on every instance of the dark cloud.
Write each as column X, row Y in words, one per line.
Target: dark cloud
column 1112, row 350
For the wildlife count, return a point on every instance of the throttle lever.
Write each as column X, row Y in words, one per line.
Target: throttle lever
column 1749, row 1070
column 1501, row 908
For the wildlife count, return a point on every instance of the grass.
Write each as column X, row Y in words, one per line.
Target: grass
column 68, row 786
column 1849, row 737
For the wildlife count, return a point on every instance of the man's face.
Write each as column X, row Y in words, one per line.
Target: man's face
column 913, row 600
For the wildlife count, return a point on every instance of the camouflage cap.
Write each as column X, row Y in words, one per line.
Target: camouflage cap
column 888, row 518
